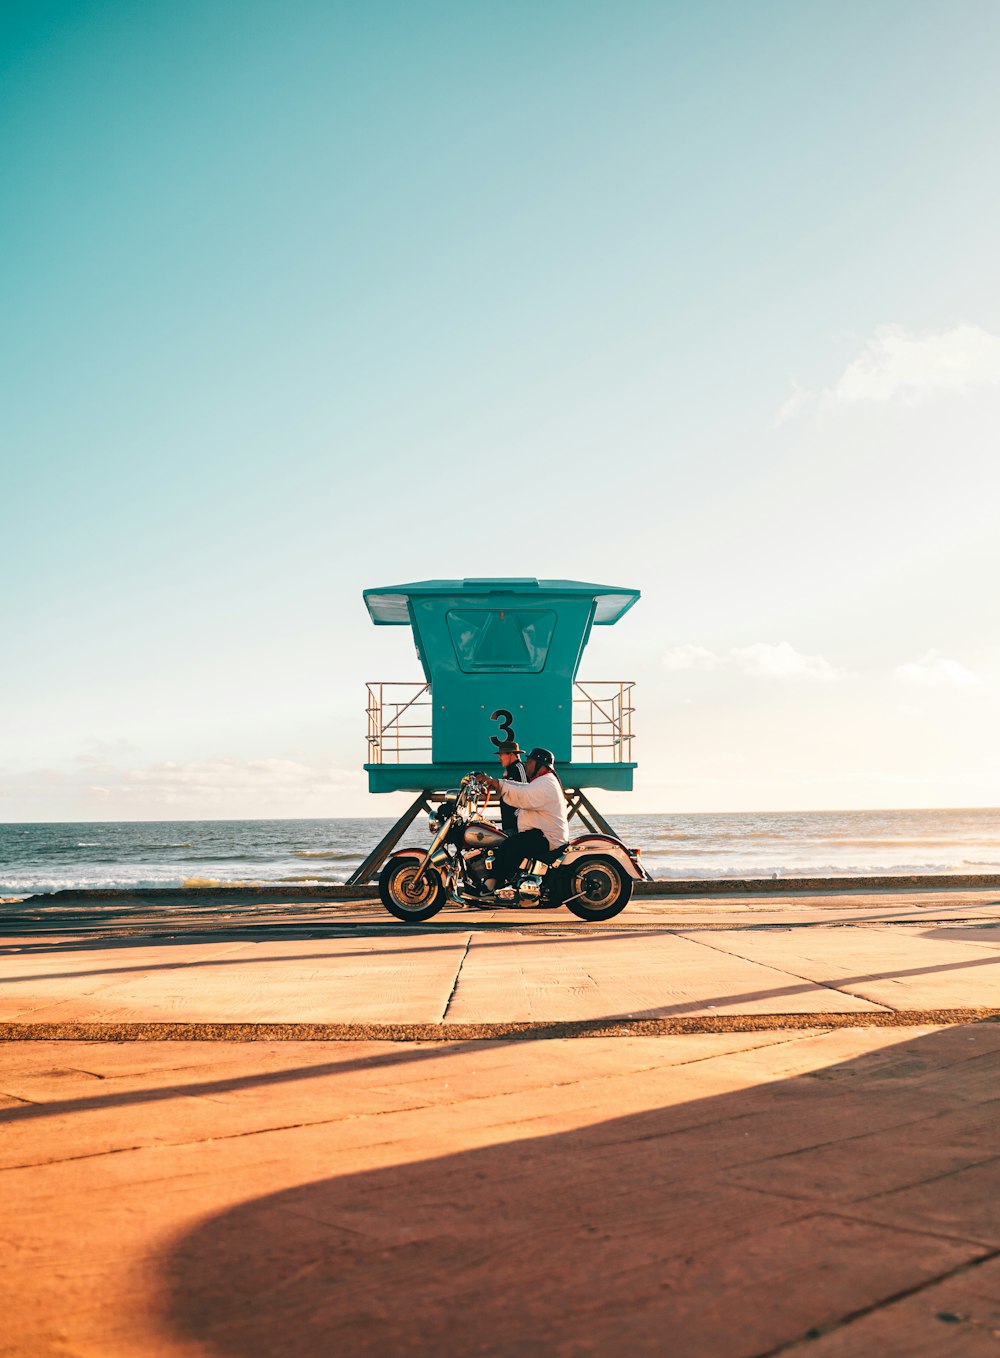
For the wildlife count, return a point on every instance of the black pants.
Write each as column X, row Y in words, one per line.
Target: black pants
column 525, row 844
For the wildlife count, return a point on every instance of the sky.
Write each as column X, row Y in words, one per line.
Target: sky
column 300, row 298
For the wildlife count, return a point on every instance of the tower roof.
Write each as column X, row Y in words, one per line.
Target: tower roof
column 389, row 604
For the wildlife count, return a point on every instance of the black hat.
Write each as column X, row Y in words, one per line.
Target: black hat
column 541, row 756
column 509, row 747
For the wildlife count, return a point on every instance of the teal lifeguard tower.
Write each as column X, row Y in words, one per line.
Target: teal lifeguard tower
column 500, row 659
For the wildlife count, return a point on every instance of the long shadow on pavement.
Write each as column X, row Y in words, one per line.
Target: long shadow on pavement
column 860, row 1201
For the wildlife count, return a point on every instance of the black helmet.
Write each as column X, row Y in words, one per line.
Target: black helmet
column 541, row 756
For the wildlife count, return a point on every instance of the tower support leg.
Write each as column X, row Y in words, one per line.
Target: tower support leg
column 574, row 808
column 372, row 865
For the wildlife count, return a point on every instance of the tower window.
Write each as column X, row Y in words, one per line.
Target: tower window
column 501, row 638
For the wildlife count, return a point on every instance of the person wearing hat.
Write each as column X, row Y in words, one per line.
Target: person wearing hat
column 542, row 824
column 509, row 754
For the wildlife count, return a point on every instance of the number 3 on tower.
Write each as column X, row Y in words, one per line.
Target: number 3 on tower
column 506, row 730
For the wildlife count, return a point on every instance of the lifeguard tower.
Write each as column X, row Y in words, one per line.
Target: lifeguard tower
column 500, row 659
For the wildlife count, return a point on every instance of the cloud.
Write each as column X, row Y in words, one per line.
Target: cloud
column 222, row 779
column 691, row 658
column 934, row 670
column 897, row 364
column 799, row 397
column 762, row 660
column 220, row 787
column 40, row 780
column 782, row 661
column 904, row 366
column 98, row 747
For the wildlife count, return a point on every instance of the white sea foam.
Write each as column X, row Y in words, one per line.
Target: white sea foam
column 743, row 871
column 42, row 886
column 322, row 853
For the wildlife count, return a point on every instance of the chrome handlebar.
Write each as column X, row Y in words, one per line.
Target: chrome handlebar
column 473, row 791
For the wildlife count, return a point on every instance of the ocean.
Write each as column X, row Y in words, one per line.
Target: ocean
column 54, row 857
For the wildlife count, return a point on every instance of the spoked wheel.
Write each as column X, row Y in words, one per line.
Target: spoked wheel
column 408, row 899
column 598, row 889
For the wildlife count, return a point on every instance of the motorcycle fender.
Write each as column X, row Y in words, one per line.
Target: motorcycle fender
column 590, row 846
column 439, row 860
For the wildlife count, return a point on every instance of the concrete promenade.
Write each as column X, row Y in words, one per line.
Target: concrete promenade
column 720, row 1126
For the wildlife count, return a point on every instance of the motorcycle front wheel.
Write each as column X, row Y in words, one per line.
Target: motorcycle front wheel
column 407, row 899
column 598, row 889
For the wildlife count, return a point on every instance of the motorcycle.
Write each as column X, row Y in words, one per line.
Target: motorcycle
column 592, row 875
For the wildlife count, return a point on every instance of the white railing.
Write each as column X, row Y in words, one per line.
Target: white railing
column 399, row 725
column 602, row 721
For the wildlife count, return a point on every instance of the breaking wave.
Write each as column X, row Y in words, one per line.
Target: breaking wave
column 336, row 854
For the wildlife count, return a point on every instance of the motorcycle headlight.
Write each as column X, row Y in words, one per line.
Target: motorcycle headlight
column 434, row 824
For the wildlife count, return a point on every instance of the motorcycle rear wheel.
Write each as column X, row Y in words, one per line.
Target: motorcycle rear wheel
column 600, row 887
column 411, row 901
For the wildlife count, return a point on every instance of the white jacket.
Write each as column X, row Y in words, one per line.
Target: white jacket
column 541, row 806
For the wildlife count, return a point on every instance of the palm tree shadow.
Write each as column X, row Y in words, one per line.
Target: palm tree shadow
column 729, row 1225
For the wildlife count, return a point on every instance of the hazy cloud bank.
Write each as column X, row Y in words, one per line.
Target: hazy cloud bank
column 233, row 788
column 761, row 660
column 765, row 660
column 934, row 670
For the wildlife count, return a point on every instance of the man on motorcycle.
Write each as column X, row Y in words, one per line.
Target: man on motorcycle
column 509, row 753
column 542, row 821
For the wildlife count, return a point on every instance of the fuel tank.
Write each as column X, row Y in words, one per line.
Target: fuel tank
column 480, row 834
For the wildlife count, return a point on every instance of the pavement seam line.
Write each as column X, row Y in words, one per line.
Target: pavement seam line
column 939, row 1234
column 817, row 1332
column 895, row 1127
column 458, row 973
column 933, row 1178
column 851, row 1209
column 783, row 971
column 376, row 1113
column 194, row 1093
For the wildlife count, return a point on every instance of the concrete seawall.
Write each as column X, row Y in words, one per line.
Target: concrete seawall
column 720, row 886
